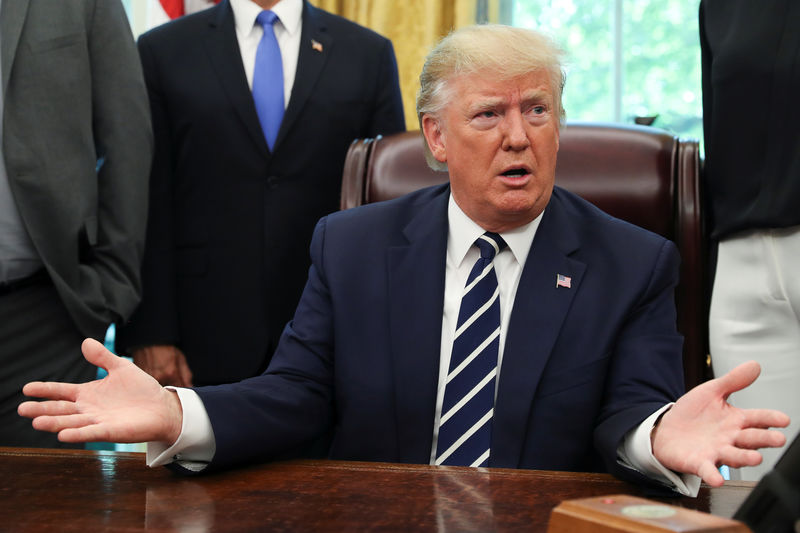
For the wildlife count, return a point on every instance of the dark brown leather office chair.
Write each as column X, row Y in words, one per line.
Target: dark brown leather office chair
column 640, row 174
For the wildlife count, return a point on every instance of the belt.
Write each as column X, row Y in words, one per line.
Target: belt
column 37, row 278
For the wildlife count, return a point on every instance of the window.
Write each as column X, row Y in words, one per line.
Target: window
column 142, row 14
column 626, row 59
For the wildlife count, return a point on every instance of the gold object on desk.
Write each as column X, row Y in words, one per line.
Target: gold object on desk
column 621, row 513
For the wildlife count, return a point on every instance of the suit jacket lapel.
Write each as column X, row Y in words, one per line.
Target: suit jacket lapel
column 223, row 52
column 539, row 311
column 416, row 295
column 310, row 61
column 12, row 19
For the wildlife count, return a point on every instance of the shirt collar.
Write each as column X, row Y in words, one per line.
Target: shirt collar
column 463, row 232
column 290, row 13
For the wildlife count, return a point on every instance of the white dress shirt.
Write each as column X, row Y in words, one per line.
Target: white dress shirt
column 195, row 446
column 288, row 29
column 461, row 256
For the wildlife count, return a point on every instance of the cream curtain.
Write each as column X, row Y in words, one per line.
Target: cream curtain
column 413, row 26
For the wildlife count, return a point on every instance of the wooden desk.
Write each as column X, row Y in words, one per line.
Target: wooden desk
column 54, row 490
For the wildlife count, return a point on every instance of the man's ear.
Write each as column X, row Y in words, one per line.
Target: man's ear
column 558, row 139
column 432, row 130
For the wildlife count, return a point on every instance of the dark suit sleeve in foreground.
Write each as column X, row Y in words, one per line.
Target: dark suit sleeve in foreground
column 644, row 373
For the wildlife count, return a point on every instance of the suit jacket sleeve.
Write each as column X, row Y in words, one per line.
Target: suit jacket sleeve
column 636, row 388
column 110, row 105
column 124, row 143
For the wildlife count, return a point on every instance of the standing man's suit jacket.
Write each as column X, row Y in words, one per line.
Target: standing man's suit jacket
column 230, row 222
column 77, row 144
column 581, row 365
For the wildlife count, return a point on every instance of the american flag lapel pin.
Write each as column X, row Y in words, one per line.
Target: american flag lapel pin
column 316, row 45
column 563, row 281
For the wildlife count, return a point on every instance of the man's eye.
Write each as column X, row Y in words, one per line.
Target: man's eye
column 486, row 114
column 538, row 109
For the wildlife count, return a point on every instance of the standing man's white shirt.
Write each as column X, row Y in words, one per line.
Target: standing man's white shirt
column 288, row 30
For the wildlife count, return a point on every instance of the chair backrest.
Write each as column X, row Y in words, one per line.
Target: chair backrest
column 644, row 175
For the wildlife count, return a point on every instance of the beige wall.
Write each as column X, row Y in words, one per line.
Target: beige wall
column 413, row 26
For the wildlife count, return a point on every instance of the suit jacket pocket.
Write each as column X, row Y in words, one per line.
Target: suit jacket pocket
column 54, row 43
column 564, row 379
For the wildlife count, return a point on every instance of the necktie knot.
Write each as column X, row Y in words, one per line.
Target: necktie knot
column 266, row 19
column 490, row 244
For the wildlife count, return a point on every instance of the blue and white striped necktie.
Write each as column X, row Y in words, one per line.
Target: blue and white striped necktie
column 465, row 426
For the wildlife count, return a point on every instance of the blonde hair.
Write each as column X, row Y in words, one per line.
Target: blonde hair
column 503, row 51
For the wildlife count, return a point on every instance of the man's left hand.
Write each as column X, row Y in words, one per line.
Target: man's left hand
column 703, row 431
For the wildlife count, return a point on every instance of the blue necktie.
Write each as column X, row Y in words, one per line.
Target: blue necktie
column 465, row 426
column 268, row 80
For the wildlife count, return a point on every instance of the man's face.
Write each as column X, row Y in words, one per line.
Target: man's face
column 499, row 140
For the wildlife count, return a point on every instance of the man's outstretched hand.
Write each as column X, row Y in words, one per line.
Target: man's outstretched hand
column 703, row 431
column 128, row 405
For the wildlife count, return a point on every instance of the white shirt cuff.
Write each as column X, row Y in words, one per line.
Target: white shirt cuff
column 196, row 444
column 636, row 452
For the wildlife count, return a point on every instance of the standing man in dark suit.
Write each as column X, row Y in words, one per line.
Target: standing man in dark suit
column 231, row 212
column 577, row 370
column 76, row 150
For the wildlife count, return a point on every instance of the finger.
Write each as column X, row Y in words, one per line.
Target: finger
column 90, row 433
column 48, row 408
column 753, row 439
column 738, row 378
column 738, row 457
column 97, row 354
column 185, row 373
column 765, row 418
column 168, row 375
column 709, row 473
column 51, row 390
column 54, row 424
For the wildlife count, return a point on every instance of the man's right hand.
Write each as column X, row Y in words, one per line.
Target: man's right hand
column 166, row 363
column 126, row 406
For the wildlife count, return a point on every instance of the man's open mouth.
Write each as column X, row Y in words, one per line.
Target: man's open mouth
column 515, row 172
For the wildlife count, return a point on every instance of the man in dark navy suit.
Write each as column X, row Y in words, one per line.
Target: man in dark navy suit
column 231, row 216
column 585, row 370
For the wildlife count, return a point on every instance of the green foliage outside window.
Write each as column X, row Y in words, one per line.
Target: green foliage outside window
column 659, row 48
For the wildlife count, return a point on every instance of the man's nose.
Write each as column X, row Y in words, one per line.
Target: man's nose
column 515, row 135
